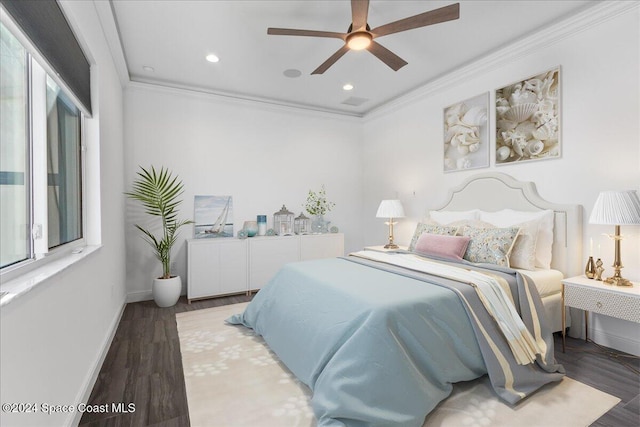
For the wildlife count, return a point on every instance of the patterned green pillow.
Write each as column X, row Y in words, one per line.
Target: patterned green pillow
column 489, row 245
column 432, row 229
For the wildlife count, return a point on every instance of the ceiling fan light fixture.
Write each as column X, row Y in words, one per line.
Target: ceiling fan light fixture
column 359, row 40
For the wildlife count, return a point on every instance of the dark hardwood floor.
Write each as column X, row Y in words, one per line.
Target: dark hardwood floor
column 144, row 367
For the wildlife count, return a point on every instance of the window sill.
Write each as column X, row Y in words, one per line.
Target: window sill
column 21, row 285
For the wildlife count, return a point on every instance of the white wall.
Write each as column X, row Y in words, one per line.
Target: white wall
column 600, row 141
column 53, row 337
column 262, row 155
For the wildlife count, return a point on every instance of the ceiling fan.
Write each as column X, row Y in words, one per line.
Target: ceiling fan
column 360, row 36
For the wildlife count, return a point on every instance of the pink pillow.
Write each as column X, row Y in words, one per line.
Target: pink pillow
column 443, row 246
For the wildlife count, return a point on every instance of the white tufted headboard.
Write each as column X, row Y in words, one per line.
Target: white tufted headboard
column 494, row 191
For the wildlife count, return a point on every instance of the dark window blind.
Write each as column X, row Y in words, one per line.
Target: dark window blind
column 45, row 25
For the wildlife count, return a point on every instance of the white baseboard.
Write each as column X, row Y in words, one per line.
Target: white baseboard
column 607, row 339
column 90, row 380
column 139, row 296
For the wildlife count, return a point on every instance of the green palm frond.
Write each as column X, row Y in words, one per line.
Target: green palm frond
column 159, row 192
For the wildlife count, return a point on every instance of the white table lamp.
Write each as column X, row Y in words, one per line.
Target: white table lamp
column 390, row 209
column 616, row 208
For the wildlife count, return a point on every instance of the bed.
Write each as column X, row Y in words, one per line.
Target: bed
column 381, row 337
column 493, row 192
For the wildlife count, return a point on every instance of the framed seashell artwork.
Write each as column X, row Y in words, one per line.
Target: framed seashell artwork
column 466, row 134
column 528, row 119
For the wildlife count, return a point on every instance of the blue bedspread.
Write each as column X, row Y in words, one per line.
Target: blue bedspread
column 376, row 348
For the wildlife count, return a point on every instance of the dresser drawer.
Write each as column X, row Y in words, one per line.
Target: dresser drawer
column 605, row 302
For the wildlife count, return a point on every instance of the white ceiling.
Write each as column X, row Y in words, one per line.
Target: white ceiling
column 173, row 37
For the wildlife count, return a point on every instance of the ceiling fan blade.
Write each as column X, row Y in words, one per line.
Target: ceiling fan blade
column 332, row 60
column 359, row 12
column 386, row 56
column 309, row 33
column 444, row 14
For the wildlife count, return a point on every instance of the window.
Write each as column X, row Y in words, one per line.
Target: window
column 14, row 152
column 64, row 178
column 40, row 159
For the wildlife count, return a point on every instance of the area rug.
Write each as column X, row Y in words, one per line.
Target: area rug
column 233, row 379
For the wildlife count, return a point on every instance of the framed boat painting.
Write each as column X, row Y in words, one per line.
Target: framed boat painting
column 466, row 134
column 213, row 216
column 528, row 119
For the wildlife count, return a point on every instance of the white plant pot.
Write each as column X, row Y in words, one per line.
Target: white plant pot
column 166, row 292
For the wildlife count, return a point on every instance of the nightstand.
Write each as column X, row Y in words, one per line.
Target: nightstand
column 596, row 296
column 382, row 249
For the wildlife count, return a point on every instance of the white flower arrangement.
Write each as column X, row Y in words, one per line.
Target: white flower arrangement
column 317, row 203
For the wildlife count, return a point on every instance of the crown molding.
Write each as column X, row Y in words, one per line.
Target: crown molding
column 525, row 46
column 245, row 101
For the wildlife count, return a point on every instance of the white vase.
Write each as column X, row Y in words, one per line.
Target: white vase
column 166, row 292
column 319, row 225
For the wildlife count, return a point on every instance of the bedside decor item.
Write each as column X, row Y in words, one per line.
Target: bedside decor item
column 283, row 222
column 318, row 205
column 590, row 268
column 599, row 269
column 334, row 229
column 251, row 228
column 302, row 224
column 528, row 119
column 242, row 234
column 271, row 232
column 390, row 209
column 159, row 193
column 616, row 208
column 466, row 134
column 262, row 225
column 213, row 216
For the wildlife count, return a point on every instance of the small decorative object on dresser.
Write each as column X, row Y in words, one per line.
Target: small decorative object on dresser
column 302, row 224
column 262, row 225
column 616, row 208
column 390, row 209
column 283, row 222
column 251, row 227
column 599, row 269
column 318, row 205
column 590, row 268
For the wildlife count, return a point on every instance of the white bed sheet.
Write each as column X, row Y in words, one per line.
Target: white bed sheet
column 547, row 281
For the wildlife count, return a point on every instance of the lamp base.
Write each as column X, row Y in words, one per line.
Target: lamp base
column 391, row 246
column 617, row 281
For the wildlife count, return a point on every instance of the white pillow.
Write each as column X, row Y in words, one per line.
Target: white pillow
column 523, row 254
column 447, row 217
column 544, row 239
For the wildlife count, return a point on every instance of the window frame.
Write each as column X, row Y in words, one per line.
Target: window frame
column 36, row 178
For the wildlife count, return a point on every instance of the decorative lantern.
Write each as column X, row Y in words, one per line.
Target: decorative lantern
column 302, row 224
column 283, row 222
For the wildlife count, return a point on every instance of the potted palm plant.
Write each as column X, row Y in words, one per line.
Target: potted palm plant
column 159, row 193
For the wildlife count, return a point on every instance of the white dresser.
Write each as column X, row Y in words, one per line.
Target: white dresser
column 224, row 266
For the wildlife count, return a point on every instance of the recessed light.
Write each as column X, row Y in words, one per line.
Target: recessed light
column 147, row 68
column 348, row 86
column 292, row 72
column 212, row 58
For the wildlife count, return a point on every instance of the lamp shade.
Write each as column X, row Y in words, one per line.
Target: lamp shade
column 616, row 208
column 390, row 209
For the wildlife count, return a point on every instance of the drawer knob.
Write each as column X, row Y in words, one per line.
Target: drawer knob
column 599, row 304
